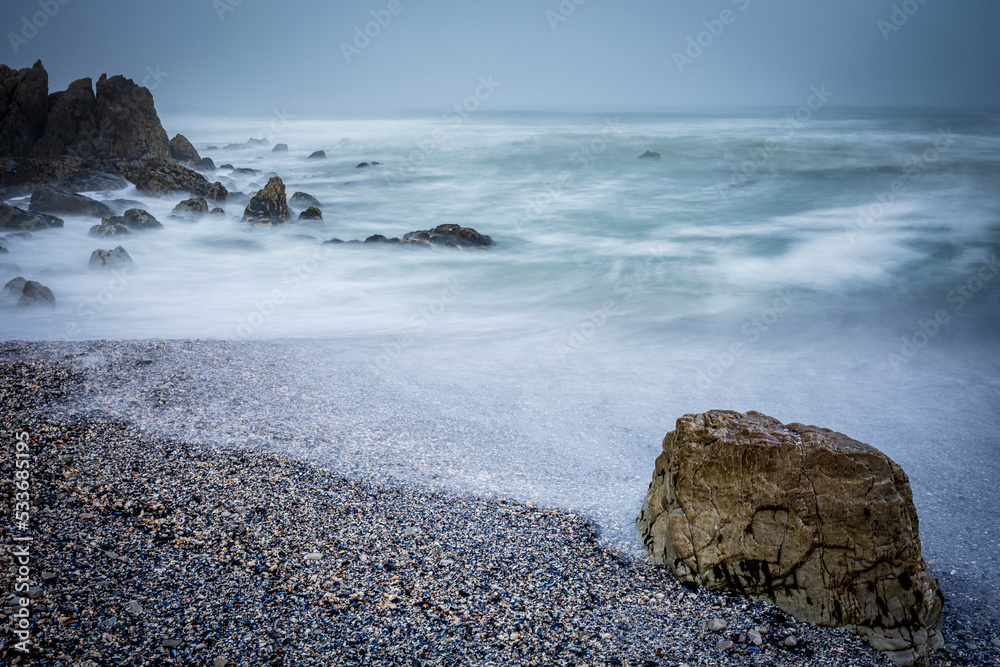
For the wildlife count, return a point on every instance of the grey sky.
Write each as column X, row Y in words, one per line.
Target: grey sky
column 606, row 55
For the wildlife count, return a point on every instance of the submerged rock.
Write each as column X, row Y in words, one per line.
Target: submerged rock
column 303, row 200
column 14, row 288
column 214, row 191
column 317, row 154
column 820, row 524
column 205, row 164
column 269, row 205
column 279, row 148
column 92, row 180
column 183, row 150
column 35, row 294
column 12, row 217
column 132, row 220
column 47, row 199
column 311, row 213
column 449, row 235
column 114, row 259
column 650, row 155
column 192, row 208
column 362, row 165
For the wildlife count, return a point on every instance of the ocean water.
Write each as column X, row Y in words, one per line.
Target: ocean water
column 839, row 271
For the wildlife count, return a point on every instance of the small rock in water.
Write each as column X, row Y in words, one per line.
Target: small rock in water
column 717, row 625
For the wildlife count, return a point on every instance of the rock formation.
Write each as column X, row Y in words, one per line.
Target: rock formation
column 820, row 524
column 110, row 259
column 311, row 213
column 269, row 205
column 35, row 294
column 303, row 200
column 46, row 199
column 158, row 177
column 650, row 155
column 214, row 191
column 12, row 217
column 317, row 154
column 134, row 219
column 183, row 150
column 192, row 208
column 449, row 235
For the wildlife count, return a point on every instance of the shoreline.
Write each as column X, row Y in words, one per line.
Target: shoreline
column 154, row 540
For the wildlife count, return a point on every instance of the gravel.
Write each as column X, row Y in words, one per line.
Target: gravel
column 166, row 551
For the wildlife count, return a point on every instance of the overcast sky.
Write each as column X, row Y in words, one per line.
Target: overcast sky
column 251, row 56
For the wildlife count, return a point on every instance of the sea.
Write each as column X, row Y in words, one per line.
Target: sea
column 836, row 268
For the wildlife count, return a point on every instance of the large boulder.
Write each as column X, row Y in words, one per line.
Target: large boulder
column 183, row 150
column 449, row 235
column 46, row 199
column 111, row 260
column 12, row 217
column 269, row 205
column 820, row 524
column 129, row 126
column 93, row 180
column 23, row 108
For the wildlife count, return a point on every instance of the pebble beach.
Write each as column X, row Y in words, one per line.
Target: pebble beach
column 148, row 550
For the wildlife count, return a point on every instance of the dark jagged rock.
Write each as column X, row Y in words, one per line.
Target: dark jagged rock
column 92, row 180
column 129, row 126
column 303, row 200
column 116, row 259
column 71, row 126
column 227, row 166
column 134, row 219
column 822, row 525
column 449, row 235
column 333, row 242
column 362, row 165
column 278, row 148
column 23, row 108
column 158, row 177
column 191, row 208
column 205, row 164
column 250, row 143
column 183, row 150
column 311, row 213
column 35, row 294
column 214, row 191
column 19, row 176
column 317, row 154
column 650, row 155
column 245, row 170
column 217, row 211
column 269, row 205
column 12, row 217
column 46, row 199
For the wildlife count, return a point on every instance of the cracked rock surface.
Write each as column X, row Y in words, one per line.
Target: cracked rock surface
column 820, row 524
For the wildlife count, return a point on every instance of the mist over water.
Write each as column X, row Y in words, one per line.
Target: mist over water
column 837, row 274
